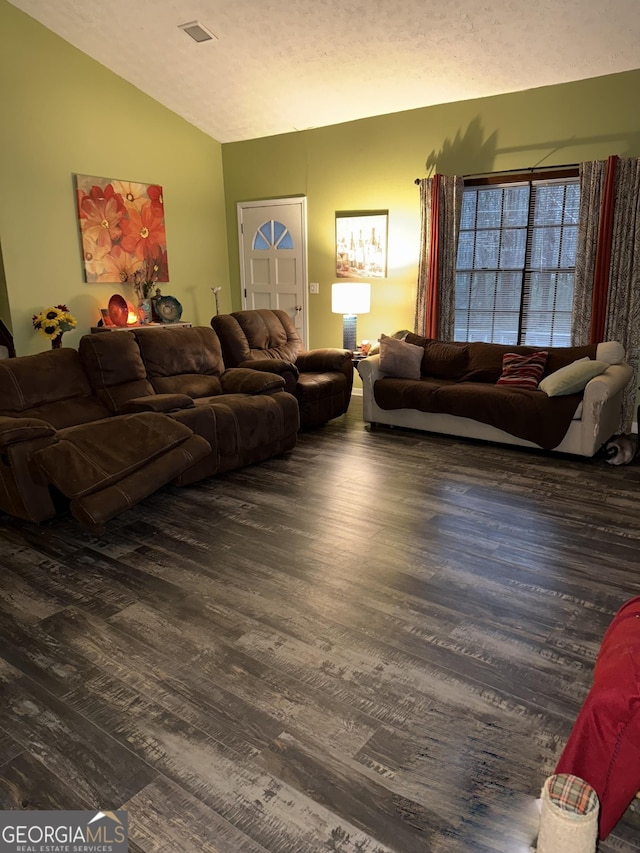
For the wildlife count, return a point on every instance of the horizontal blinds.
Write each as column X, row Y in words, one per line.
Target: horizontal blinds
column 550, row 262
column 516, row 260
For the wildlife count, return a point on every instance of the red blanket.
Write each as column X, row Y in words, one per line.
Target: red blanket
column 604, row 745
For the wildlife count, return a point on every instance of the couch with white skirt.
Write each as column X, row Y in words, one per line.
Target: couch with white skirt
column 572, row 404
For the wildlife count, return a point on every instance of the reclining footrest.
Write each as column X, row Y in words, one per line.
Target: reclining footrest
column 109, row 465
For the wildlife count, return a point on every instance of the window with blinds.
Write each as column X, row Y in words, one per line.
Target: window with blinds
column 516, row 262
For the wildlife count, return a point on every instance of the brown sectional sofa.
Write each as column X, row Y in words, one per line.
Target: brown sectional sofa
column 128, row 412
column 456, row 394
column 266, row 339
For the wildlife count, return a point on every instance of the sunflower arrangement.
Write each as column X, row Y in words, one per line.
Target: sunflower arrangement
column 54, row 321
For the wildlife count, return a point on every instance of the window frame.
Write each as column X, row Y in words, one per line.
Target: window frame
column 530, row 178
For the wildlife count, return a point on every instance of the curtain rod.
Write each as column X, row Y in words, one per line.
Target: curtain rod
column 525, row 169
column 522, row 171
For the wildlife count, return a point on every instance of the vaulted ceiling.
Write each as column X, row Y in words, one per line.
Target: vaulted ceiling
column 278, row 67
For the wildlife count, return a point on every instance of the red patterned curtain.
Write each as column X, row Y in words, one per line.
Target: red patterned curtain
column 606, row 296
column 440, row 206
column 433, row 279
column 603, row 254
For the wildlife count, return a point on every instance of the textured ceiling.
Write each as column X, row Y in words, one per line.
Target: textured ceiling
column 278, row 67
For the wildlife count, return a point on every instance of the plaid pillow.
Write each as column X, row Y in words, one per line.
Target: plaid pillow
column 522, row 371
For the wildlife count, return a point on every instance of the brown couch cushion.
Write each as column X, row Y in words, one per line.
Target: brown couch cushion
column 115, row 369
column 444, row 360
column 36, row 380
column 562, row 356
column 91, row 457
column 270, row 333
column 182, row 361
column 51, row 386
column 485, row 361
column 235, row 346
column 94, row 509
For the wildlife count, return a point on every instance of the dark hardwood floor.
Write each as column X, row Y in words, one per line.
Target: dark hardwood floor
column 376, row 643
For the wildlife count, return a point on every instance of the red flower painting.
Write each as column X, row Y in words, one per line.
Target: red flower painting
column 122, row 229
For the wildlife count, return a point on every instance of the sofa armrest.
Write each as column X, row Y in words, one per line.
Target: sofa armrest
column 321, row 360
column 369, row 369
column 272, row 365
column 606, row 385
column 157, row 403
column 602, row 406
column 243, row 380
column 24, row 491
column 14, row 430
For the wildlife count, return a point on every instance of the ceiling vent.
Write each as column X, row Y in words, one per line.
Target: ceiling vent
column 197, row 31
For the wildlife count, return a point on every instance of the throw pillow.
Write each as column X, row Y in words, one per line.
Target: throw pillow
column 572, row 378
column 610, row 351
column 400, row 359
column 522, row 371
column 401, row 335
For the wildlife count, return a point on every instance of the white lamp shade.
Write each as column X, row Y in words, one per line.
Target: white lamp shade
column 350, row 297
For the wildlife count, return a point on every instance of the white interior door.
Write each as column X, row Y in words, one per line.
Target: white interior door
column 273, row 257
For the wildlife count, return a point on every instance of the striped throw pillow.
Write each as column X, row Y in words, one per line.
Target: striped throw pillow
column 522, row 371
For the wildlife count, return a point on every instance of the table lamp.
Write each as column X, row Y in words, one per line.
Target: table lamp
column 350, row 299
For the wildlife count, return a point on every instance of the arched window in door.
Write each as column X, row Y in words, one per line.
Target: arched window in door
column 272, row 235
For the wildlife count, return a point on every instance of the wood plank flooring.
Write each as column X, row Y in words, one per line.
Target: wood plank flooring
column 375, row 644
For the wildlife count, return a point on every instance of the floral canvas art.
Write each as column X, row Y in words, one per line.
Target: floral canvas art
column 122, row 231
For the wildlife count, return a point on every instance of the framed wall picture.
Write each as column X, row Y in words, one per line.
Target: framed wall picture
column 122, row 230
column 361, row 244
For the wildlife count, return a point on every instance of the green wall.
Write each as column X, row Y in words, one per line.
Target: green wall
column 372, row 164
column 63, row 113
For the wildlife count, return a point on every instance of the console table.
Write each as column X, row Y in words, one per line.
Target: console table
column 96, row 329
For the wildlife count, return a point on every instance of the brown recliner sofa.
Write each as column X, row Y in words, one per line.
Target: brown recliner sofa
column 245, row 415
column 264, row 339
column 105, row 428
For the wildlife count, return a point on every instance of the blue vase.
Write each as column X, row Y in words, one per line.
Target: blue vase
column 144, row 311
